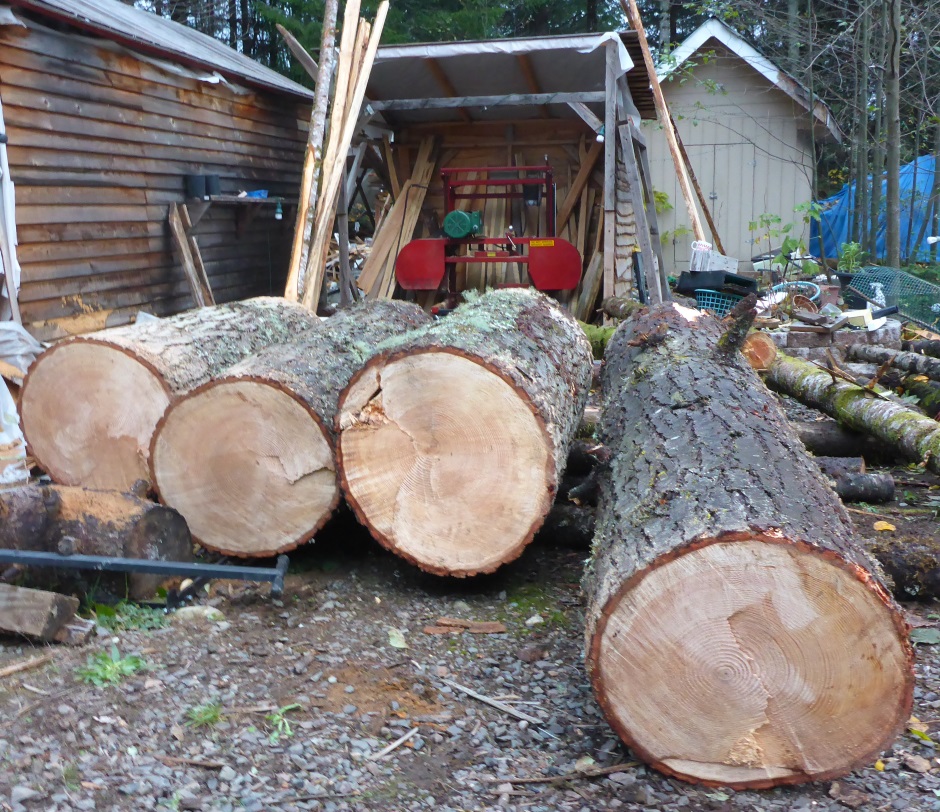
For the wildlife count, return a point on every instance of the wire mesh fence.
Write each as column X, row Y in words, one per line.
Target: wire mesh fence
column 917, row 300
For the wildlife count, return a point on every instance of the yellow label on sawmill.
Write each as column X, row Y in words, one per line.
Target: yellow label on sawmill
column 491, row 253
column 541, row 243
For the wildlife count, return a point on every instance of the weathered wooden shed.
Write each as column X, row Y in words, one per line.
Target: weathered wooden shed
column 749, row 129
column 574, row 102
column 107, row 108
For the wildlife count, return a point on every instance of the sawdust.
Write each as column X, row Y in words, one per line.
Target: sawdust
column 376, row 688
column 78, row 505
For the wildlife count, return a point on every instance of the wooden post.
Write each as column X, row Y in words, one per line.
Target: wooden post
column 610, row 169
column 347, row 288
column 643, row 237
column 202, row 294
column 633, row 15
column 306, row 61
column 313, row 158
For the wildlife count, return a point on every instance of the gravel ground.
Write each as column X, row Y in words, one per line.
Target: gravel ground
column 325, row 650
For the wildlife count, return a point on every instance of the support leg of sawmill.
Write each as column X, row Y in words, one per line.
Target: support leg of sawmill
column 347, row 288
column 644, row 240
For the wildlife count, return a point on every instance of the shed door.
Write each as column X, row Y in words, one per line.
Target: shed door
column 730, row 191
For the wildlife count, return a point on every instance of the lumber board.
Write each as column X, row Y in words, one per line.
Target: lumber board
column 580, row 181
column 181, row 241
column 33, row 612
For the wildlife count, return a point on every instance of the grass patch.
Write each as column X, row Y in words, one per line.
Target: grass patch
column 127, row 616
column 205, row 715
column 109, row 668
column 278, row 721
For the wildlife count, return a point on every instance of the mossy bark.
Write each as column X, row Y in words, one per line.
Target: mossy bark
column 929, row 347
column 913, row 435
column 927, row 393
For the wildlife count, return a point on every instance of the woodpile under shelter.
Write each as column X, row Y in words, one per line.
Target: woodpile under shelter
column 107, row 110
column 573, row 103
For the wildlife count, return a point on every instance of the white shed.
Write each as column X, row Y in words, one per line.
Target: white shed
column 746, row 127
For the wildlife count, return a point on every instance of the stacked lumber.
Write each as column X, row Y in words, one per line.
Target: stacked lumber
column 736, row 634
column 358, row 45
column 453, row 440
column 89, row 405
column 248, row 458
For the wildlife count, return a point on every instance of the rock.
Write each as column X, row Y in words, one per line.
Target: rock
column 535, row 620
column 197, row 615
column 227, row 774
column 22, row 793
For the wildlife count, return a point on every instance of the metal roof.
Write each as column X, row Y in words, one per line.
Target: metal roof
column 156, row 36
column 554, row 64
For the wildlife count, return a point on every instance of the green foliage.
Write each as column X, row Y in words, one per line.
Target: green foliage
column 126, row 616
column 598, row 336
column 278, row 720
column 661, row 202
column 109, row 668
column 205, row 715
column 851, row 257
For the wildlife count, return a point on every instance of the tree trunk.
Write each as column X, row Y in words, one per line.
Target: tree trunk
column 454, row 438
column 793, row 34
column 862, row 183
column 735, row 632
column 248, row 458
column 926, row 392
column 893, row 114
column 76, row 521
column 914, row 436
column 827, row 438
column 908, row 361
column 89, row 405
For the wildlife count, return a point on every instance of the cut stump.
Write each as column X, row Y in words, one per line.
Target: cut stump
column 735, row 632
column 248, row 457
column 90, row 404
column 453, row 440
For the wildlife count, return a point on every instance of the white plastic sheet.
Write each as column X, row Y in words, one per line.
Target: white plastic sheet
column 12, row 445
column 17, row 347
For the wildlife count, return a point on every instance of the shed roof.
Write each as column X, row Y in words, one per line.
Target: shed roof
column 573, row 63
column 716, row 30
column 157, row 36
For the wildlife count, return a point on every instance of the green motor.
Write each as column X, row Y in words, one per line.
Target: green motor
column 461, row 224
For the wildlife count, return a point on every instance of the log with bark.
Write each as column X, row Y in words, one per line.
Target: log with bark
column 453, row 438
column 925, row 390
column 908, row 361
column 910, row 433
column 736, row 635
column 826, row 438
column 248, row 458
column 853, row 483
column 78, row 521
column 89, row 405
column 929, row 347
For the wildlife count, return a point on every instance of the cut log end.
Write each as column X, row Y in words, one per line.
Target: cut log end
column 89, row 410
column 248, row 464
column 760, row 662
column 445, row 461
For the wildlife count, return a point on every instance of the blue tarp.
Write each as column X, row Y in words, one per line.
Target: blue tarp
column 835, row 223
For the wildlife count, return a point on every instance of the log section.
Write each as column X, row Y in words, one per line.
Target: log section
column 735, row 633
column 910, row 433
column 248, row 457
column 453, row 438
column 89, row 405
column 908, row 361
column 76, row 521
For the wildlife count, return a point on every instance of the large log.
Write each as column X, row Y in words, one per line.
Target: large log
column 929, row 347
column 926, row 391
column 908, row 361
column 735, row 633
column 248, row 457
column 911, row 434
column 453, row 439
column 89, row 405
column 77, row 521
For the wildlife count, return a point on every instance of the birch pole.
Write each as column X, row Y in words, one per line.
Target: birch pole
column 314, row 155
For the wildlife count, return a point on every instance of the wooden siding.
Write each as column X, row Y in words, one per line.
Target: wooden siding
column 748, row 144
column 99, row 144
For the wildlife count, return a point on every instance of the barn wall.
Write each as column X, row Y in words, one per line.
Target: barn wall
column 744, row 142
column 99, row 143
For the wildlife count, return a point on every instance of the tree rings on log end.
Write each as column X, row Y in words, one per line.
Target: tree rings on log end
column 89, row 410
column 248, row 465
column 444, row 460
column 745, row 663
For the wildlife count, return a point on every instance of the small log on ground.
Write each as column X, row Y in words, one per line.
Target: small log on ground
column 853, row 483
column 735, row 632
column 922, row 346
column 926, row 391
column 89, row 405
column 453, row 440
column 908, row 361
column 911, row 434
column 826, row 438
column 76, row 521
column 248, row 458
column 33, row 612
